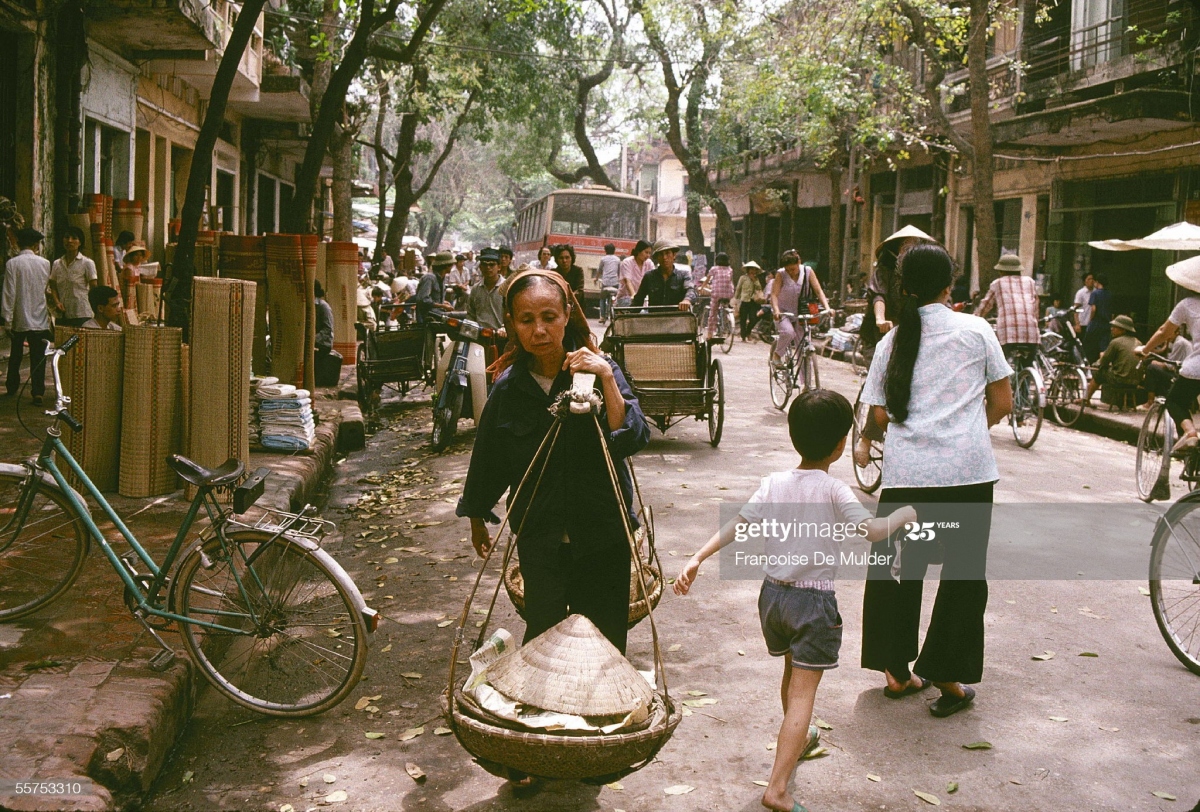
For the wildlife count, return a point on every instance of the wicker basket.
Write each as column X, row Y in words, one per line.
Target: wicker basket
column 660, row 362
column 550, row 755
column 514, row 584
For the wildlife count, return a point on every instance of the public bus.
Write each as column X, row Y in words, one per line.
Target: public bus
column 587, row 219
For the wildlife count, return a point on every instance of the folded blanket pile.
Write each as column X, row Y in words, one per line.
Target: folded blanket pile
column 285, row 417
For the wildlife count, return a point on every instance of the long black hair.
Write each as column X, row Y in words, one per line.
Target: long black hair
column 926, row 270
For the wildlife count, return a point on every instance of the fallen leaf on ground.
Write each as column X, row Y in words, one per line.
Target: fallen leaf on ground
column 821, row 723
column 287, row 808
column 1110, row 729
column 374, row 735
column 115, row 755
column 741, row 653
column 1012, row 602
column 362, row 703
column 678, row 789
column 391, row 559
column 1058, row 718
column 816, row 753
column 674, row 647
column 336, row 797
column 771, row 746
column 700, row 703
column 445, row 623
column 696, row 693
column 616, row 785
column 442, row 731
column 1045, row 655
column 329, row 778
column 1166, row 796
column 873, row 777
column 978, row 746
column 1054, row 610
column 759, row 783
column 188, row 777
column 927, row 798
column 1144, row 591
column 952, row 788
column 386, row 649
column 411, row 675
column 411, row 733
column 304, row 782
column 414, row 772
column 1088, row 654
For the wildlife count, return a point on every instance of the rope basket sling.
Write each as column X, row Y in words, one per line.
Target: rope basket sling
column 554, row 755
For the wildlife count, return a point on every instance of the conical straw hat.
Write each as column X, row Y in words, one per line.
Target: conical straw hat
column 1186, row 274
column 906, row 233
column 572, row 668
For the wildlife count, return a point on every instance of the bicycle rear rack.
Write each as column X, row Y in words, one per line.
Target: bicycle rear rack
column 278, row 522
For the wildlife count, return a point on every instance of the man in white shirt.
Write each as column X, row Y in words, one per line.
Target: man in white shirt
column 106, row 304
column 543, row 262
column 1082, row 296
column 386, row 265
column 24, row 313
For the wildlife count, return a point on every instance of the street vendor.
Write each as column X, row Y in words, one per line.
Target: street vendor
column 571, row 536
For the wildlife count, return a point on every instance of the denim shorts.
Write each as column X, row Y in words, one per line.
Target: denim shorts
column 803, row 622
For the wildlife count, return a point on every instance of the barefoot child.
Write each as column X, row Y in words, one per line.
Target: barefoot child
column 797, row 606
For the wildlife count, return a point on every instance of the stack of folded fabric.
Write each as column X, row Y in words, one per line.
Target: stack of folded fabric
column 285, row 417
column 255, row 382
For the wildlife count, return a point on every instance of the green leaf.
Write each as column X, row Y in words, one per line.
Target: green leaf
column 952, row 788
column 373, row 735
column 927, row 798
column 1166, row 796
column 978, row 746
column 1088, row 654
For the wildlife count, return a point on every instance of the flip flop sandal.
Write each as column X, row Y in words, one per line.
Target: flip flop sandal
column 814, row 740
column 907, row 691
column 948, row 704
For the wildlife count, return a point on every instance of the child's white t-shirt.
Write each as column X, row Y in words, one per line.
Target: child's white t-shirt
column 818, row 510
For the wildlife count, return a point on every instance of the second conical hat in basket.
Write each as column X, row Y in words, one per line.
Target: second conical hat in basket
column 572, row 668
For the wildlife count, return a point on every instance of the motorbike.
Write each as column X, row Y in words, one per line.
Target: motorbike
column 461, row 383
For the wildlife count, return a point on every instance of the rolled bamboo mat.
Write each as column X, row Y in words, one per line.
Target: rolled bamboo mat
column 293, row 313
column 100, row 209
column 148, row 297
column 205, row 259
column 341, row 291
column 310, row 245
column 245, row 257
column 151, row 412
column 219, row 370
column 185, row 396
column 129, row 215
column 92, row 378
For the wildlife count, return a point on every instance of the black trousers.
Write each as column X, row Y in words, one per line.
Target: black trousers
column 1182, row 399
column 747, row 315
column 576, row 579
column 953, row 647
column 37, row 340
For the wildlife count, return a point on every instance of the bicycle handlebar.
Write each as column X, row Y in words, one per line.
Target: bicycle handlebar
column 61, row 401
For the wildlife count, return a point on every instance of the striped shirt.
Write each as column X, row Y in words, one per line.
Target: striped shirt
column 1016, row 300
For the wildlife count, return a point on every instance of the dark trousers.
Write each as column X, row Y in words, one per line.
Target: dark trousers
column 1182, row 399
column 953, row 647
column 37, row 340
column 747, row 315
column 560, row 581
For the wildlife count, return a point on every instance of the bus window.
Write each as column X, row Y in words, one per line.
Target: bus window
column 592, row 215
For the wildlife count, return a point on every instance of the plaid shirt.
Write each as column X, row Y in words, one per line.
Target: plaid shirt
column 1016, row 300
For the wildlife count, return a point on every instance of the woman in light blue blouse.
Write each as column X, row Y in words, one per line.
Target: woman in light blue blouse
column 938, row 381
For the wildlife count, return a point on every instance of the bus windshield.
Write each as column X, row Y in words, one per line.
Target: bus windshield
column 593, row 215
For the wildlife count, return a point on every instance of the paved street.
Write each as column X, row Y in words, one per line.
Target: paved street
column 1131, row 719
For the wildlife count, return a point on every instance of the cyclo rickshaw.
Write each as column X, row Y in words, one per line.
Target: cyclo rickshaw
column 672, row 371
column 397, row 352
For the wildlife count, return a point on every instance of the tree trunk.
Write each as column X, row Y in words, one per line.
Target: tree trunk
column 433, row 238
column 342, row 149
column 981, row 143
column 695, row 229
column 398, row 225
column 184, row 269
column 383, row 179
column 834, row 278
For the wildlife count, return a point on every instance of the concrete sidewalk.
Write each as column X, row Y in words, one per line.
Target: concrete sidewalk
column 77, row 700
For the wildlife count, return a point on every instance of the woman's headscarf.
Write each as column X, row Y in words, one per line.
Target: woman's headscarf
column 577, row 325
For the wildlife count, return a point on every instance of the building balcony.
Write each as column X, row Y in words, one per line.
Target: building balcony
column 1107, row 118
column 283, row 95
column 183, row 38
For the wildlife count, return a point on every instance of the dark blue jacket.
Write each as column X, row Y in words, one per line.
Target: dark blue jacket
column 575, row 494
column 670, row 291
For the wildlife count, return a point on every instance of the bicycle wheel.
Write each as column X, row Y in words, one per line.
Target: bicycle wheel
column 1026, row 417
column 297, row 643
column 780, row 381
column 868, row 476
column 1175, row 584
column 41, row 557
column 445, row 419
column 716, row 410
column 725, row 322
column 1067, row 396
column 810, row 377
column 1153, row 466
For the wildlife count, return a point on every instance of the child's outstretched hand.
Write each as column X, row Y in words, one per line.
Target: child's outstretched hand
column 683, row 582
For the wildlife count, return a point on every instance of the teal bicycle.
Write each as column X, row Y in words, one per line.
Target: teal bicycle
column 270, row 619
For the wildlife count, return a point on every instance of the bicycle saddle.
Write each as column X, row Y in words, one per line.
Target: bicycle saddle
column 198, row 475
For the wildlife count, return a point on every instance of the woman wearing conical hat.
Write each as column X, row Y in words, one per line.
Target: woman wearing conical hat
column 883, row 288
column 571, row 536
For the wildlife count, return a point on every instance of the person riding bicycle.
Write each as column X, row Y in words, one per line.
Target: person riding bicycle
column 720, row 290
column 794, row 284
column 1015, row 298
column 883, row 288
column 1182, row 397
